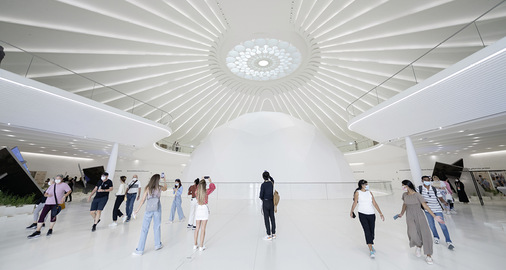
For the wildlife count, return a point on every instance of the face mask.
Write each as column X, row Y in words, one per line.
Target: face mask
column 405, row 189
column 367, row 187
column 427, row 183
column 134, row 178
column 57, row 181
column 103, row 178
column 177, row 185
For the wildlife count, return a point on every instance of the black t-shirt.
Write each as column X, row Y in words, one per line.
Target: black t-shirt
column 103, row 185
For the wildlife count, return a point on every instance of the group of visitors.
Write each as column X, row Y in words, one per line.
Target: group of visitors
column 427, row 197
column 421, row 207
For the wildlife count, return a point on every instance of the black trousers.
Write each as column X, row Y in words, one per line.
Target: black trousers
column 268, row 209
column 115, row 211
column 368, row 222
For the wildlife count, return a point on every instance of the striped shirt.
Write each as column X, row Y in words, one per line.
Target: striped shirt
column 431, row 199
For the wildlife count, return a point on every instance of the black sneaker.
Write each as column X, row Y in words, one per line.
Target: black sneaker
column 49, row 232
column 33, row 226
column 94, row 227
column 35, row 234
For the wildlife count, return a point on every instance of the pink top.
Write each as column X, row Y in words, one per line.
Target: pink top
column 210, row 190
column 61, row 189
column 448, row 187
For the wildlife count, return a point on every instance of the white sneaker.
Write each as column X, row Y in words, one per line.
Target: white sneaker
column 195, row 247
column 124, row 218
column 169, row 222
column 436, row 241
column 273, row 236
column 159, row 247
column 418, row 252
column 373, row 255
column 429, row 260
column 450, row 246
column 114, row 224
column 136, row 253
column 268, row 237
column 202, row 248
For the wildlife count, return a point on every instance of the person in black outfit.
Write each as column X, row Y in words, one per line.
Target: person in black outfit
column 70, row 182
column 267, row 196
column 104, row 186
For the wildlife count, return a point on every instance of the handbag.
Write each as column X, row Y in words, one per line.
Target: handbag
column 275, row 199
column 59, row 206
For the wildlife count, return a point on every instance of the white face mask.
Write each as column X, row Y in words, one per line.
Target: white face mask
column 134, row 178
column 57, row 181
column 427, row 183
column 367, row 187
column 177, row 185
column 405, row 189
column 103, row 178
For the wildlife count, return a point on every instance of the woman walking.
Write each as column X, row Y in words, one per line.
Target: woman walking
column 461, row 191
column 366, row 204
column 120, row 197
column 55, row 194
column 192, row 191
column 418, row 230
column 267, row 197
column 176, row 204
column 153, row 211
column 202, row 212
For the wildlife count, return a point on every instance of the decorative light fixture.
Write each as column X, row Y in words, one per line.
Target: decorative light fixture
column 263, row 59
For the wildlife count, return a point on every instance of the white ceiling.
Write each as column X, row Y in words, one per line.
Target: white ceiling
column 171, row 54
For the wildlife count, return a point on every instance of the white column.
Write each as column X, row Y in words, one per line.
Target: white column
column 111, row 164
column 414, row 165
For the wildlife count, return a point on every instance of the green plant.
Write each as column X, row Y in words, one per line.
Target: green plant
column 13, row 200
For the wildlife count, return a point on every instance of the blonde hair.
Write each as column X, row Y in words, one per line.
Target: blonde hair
column 201, row 192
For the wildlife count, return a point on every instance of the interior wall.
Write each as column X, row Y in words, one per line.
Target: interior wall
column 391, row 163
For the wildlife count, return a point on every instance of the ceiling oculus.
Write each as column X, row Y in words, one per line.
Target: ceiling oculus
column 263, row 59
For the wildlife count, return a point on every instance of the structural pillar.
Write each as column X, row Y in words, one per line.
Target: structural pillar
column 414, row 165
column 111, row 164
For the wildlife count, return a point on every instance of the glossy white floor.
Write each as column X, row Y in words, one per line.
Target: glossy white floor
column 312, row 234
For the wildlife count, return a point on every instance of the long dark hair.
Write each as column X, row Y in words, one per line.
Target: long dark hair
column 154, row 183
column 267, row 176
column 180, row 185
column 409, row 184
column 360, row 183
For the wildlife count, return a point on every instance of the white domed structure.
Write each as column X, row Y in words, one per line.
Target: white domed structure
column 291, row 149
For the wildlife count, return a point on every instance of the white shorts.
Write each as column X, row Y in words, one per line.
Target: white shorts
column 202, row 212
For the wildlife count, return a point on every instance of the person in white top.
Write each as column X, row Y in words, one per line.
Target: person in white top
column 120, row 197
column 365, row 200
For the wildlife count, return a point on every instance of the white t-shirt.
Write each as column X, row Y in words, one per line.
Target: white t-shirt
column 365, row 202
column 135, row 187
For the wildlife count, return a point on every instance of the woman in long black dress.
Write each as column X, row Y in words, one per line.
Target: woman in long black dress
column 461, row 191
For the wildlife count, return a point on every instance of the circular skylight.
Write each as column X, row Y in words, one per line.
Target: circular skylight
column 263, row 59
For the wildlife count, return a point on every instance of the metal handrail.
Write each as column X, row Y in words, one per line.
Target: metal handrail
column 164, row 113
column 429, row 51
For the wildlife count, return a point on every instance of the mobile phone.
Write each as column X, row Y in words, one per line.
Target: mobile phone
column 354, row 216
column 163, row 175
column 396, row 216
column 206, row 177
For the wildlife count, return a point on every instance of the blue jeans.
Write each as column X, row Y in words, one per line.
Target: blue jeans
column 130, row 204
column 157, row 221
column 432, row 226
column 176, row 204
